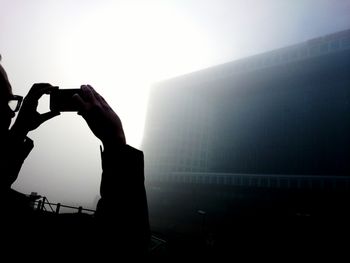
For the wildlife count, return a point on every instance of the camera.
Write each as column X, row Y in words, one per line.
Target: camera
column 62, row 100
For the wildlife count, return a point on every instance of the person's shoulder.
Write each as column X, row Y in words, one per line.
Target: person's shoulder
column 123, row 150
column 131, row 149
column 14, row 198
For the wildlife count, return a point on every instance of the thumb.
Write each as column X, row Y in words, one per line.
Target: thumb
column 48, row 115
column 82, row 105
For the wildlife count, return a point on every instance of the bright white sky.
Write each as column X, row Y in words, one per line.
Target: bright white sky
column 121, row 48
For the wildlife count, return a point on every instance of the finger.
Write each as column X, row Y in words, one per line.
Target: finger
column 87, row 93
column 96, row 96
column 39, row 89
column 46, row 89
column 92, row 90
column 82, row 105
column 104, row 103
column 99, row 98
column 48, row 115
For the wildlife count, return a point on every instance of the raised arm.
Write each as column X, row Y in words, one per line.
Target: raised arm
column 122, row 212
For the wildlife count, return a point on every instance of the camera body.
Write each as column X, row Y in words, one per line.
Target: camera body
column 62, row 100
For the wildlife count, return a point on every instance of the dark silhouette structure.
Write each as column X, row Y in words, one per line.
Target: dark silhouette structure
column 120, row 226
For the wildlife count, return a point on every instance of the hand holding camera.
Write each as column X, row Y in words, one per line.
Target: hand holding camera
column 29, row 118
column 100, row 117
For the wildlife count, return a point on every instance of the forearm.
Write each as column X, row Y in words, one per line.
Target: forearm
column 15, row 152
column 123, row 203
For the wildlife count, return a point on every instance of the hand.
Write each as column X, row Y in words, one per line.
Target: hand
column 100, row 117
column 29, row 118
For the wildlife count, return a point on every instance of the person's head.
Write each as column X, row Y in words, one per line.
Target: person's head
column 6, row 97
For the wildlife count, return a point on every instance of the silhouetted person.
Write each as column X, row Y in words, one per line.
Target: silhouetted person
column 120, row 224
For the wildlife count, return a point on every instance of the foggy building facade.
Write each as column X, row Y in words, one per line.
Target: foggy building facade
column 283, row 112
column 262, row 137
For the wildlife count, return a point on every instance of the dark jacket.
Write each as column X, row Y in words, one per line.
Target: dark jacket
column 120, row 225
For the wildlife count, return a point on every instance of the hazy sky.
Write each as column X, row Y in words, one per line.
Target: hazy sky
column 121, row 48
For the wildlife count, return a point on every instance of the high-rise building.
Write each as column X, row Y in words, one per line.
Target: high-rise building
column 284, row 112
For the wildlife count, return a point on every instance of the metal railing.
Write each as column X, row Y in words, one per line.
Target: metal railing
column 41, row 203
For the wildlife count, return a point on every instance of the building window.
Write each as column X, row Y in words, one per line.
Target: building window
column 346, row 42
column 324, row 47
column 334, row 45
column 273, row 182
column 314, row 50
column 285, row 57
column 292, row 55
column 276, row 58
column 303, row 53
column 238, row 180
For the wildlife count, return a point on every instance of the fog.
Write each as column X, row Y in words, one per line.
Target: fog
column 121, row 48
